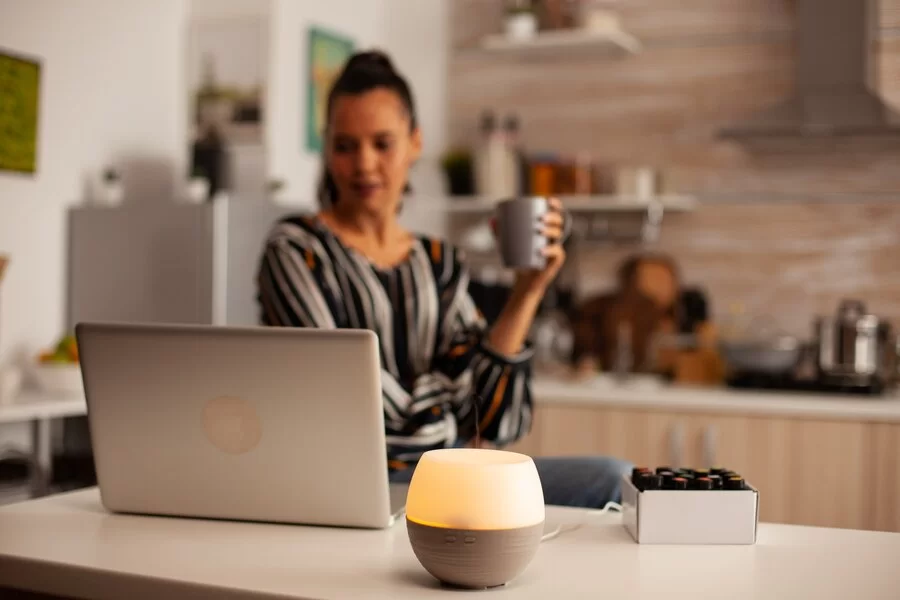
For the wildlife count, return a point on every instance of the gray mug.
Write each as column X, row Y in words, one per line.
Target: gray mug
column 519, row 222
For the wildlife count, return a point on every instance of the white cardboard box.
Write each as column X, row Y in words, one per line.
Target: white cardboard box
column 690, row 516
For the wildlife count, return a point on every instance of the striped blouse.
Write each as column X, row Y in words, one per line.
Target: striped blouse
column 436, row 362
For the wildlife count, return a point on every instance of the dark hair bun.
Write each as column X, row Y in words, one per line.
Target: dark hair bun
column 372, row 61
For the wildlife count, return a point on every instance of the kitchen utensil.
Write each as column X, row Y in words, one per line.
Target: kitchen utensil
column 616, row 330
column 775, row 356
column 552, row 333
column 558, row 14
column 641, row 182
column 693, row 309
column 759, row 347
column 855, row 346
column 599, row 15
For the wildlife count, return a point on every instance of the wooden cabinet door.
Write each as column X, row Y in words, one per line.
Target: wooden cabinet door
column 754, row 447
column 807, row 472
column 830, row 473
column 644, row 438
column 823, row 473
column 884, row 487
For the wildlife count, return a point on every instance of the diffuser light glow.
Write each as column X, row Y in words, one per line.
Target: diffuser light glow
column 475, row 517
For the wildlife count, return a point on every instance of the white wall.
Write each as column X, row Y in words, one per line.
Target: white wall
column 416, row 36
column 414, row 32
column 218, row 9
column 111, row 91
column 289, row 160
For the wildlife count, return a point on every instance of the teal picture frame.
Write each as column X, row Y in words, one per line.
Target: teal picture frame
column 327, row 53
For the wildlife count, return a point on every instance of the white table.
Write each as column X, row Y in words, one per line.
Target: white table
column 40, row 409
column 69, row 545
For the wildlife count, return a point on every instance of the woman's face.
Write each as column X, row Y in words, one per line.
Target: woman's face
column 369, row 150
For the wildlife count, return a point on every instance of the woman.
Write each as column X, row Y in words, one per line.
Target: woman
column 445, row 375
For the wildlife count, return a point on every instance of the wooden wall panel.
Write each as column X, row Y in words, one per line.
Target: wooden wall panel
column 655, row 19
column 884, row 489
column 790, row 261
column 651, row 20
column 706, row 64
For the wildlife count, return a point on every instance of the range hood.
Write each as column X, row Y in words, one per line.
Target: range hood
column 836, row 76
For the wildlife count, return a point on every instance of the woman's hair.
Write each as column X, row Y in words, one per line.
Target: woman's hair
column 364, row 72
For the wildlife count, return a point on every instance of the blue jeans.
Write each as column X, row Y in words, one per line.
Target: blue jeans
column 580, row 481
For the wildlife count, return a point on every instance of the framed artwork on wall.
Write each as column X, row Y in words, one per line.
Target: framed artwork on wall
column 327, row 52
column 20, row 86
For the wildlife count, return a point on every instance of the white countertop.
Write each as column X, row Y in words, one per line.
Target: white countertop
column 648, row 394
column 68, row 544
column 640, row 393
column 33, row 404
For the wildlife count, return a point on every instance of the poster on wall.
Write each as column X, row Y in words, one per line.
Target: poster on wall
column 327, row 54
column 20, row 79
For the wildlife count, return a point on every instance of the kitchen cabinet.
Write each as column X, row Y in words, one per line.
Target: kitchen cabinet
column 808, row 471
column 884, row 486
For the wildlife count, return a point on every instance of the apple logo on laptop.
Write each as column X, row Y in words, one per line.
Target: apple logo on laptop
column 231, row 425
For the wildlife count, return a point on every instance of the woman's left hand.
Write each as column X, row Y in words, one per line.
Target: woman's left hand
column 553, row 227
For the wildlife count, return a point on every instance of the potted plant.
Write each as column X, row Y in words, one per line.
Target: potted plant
column 198, row 185
column 457, row 165
column 273, row 188
column 521, row 21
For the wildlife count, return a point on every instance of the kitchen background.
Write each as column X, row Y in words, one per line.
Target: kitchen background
column 617, row 105
column 785, row 228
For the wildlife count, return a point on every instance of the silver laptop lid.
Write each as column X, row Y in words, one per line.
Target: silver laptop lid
column 238, row 423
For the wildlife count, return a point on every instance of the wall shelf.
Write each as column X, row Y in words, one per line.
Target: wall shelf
column 605, row 219
column 475, row 205
column 612, row 41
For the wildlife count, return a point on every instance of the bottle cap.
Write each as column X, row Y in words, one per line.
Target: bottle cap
column 718, row 470
column 734, row 483
column 701, row 483
column 716, row 481
column 701, row 473
column 667, row 478
column 636, row 473
column 661, row 469
column 679, row 483
column 650, row 481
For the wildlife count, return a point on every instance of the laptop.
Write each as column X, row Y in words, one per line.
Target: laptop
column 261, row 424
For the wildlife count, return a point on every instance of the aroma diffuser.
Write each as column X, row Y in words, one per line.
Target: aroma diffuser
column 475, row 517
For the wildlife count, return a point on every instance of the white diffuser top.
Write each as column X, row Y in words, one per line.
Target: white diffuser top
column 467, row 488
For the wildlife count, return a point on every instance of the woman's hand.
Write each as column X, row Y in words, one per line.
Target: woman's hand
column 508, row 334
column 553, row 227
